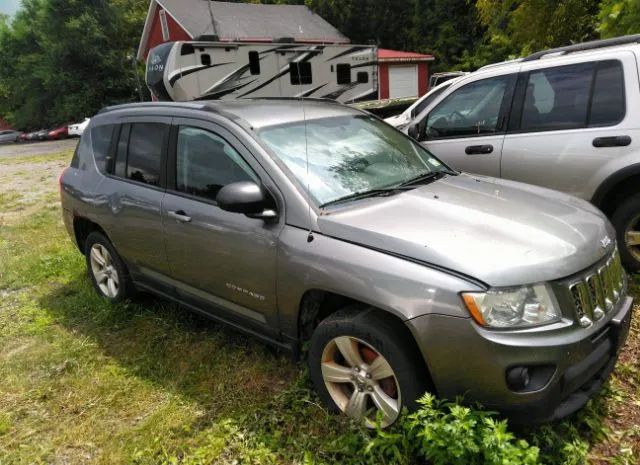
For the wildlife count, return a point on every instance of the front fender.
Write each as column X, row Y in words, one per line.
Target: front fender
column 404, row 288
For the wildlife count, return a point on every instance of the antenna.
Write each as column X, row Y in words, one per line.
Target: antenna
column 213, row 21
column 306, row 152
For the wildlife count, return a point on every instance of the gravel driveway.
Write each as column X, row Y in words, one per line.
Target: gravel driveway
column 26, row 149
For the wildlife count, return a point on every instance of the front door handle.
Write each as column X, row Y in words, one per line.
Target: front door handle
column 615, row 141
column 179, row 216
column 478, row 149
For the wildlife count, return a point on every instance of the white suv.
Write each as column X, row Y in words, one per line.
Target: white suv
column 566, row 119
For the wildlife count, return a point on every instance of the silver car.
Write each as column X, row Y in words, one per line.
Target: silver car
column 9, row 135
column 311, row 223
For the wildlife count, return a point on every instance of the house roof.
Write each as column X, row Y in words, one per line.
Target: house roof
column 386, row 56
column 246, row 21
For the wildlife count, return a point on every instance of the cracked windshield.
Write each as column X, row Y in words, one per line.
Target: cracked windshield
column 348, row 156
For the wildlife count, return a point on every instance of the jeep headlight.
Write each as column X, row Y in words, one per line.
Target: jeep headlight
column 513, row 307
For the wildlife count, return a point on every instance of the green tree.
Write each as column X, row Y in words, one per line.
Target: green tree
column 619, row 17
column 530, row 25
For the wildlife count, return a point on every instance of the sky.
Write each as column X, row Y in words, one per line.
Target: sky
column 9, row 6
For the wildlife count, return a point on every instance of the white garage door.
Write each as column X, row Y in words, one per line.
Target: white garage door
column 403, row 81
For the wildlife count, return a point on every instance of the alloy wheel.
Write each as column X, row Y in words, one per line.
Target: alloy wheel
column 632, row 237
column 360, row 381
column 104, row 271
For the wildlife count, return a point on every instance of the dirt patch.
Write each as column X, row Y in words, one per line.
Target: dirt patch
column 27, row 187
column 36, row 148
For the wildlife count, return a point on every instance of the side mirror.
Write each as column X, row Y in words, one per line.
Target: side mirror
column 414, row 131
column 246, row 197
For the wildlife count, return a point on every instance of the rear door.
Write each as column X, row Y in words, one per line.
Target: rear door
column 466, row 128
column 220, row 260
column 133, row 190
column 571, row 119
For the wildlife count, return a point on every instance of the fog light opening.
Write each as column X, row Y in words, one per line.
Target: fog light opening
column 518, row 378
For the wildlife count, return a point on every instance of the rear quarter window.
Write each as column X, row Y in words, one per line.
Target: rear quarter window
column 101, row 137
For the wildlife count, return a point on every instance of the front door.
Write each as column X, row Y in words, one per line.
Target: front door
column 466, row 129
column 223, row 260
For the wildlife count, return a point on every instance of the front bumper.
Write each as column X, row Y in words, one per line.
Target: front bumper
column 471, row 362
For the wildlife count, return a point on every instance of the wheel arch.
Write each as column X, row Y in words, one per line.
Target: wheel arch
column 318, row 304
column 617, row 186
column 82, row 227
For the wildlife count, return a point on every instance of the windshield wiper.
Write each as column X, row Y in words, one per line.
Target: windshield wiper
column 365, row 194
column 423, row 178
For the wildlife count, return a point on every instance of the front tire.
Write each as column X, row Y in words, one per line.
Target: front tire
column 364, row 363
column 107, row 271
column 626, row 220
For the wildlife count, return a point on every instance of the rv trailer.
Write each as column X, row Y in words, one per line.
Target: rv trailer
column 186, row 71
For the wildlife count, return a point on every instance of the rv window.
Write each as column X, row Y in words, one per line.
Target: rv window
column 300, row 73
column 343, row 73
column 205, row 59
column 363, row 77
column 254, row 62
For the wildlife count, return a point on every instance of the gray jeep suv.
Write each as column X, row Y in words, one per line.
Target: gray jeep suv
column 300, row 220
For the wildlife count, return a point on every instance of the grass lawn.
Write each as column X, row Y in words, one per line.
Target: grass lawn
column 147, row 382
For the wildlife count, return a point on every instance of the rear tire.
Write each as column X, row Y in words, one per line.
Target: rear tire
column 363, row 361
column 109, row 275
column 626, row 220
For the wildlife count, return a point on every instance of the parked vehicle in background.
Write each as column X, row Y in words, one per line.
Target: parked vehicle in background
column 567, row 119
column 438, row 78
column 32, row 136
column 58, row 133
column 9, row 135
column 24, row 137
column 76, row 130
column 303, row 221
column 403, row 119
column 186, row 71
column 42, row 134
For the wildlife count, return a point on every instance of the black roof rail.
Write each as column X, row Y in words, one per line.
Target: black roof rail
column 630, row 39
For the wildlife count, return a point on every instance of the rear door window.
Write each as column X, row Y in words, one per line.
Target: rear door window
column 573, row 97
column 140, row 152
column 145, row 152
column 557, row 98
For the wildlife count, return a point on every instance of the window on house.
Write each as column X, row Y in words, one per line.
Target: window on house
column 343, row 73
column 164, row 25
column 254, row 62
column 300, row 73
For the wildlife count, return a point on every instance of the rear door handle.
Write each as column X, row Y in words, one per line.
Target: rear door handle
column 615, row 141
column 478, row 149
column 179, row 216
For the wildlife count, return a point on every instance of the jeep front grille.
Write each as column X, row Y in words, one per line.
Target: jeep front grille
column 598, row 291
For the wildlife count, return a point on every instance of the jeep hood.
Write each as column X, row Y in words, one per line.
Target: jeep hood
column 500, row 232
